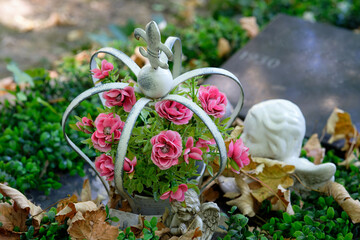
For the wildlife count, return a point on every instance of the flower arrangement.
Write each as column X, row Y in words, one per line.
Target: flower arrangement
column 168, row 143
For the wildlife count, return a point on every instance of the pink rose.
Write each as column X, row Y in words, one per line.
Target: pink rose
column 103, row 72
column 108, row 128
column 191, row 151
column 239, row 154
column 120, row 97
column 179, row 195
column 129, row 166
column 204, row 143
column 174, row 112
column 85, row 122
column 105, row 166
column 167, row 148
column 212, row 101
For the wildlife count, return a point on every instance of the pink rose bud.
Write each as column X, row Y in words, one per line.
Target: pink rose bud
column 179, row 195
column 173, row 111
column 121, row 97
column 167, row 148
column 129, row 166
column 85, row 122
column 239, row 154
column 212, row 101
column 103, row 72
column 201, row 143
column 191, row 151
column 105, row 166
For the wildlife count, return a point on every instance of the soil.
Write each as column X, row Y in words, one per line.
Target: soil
column 36, row 33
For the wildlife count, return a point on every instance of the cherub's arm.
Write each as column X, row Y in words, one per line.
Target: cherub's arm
column 176, row 226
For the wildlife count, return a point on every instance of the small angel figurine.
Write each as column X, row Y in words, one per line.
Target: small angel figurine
column 275, row 129
column 194, row 215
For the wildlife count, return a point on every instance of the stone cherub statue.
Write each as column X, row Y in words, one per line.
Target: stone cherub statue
column 275, row 129
column 192, row 215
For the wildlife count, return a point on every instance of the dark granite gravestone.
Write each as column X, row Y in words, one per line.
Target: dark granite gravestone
column 314, row 65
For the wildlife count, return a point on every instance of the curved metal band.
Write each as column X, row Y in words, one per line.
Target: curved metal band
column 74, row 103
column 210, row 71
column 117, row 54
column 123, row 145
column 212, row 127
column 173, row 42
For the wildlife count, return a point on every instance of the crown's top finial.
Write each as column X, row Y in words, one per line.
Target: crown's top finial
column 152, row 37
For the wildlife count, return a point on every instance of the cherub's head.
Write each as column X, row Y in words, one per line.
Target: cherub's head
column 274, row 129
column 192, row 203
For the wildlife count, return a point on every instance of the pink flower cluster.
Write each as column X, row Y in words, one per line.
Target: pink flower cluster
column 239, row 154
column 212, row 101
column 120, row 97
column 104, row 164
column 167, row 148
column 108, row 129
column 174, row 112
column 178, row 195
column 104, row 70
column 85, row 122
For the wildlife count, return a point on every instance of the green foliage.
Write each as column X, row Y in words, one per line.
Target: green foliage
column 32, row 147
column 320, row 217
column 148, row 230
column 340, row 13
column 238, row 228
column 49, row 229
column 200, row 40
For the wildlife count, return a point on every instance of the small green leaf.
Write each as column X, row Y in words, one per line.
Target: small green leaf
column 330, row 213
column 308, row 220
column 286, row 217
column 153, row 222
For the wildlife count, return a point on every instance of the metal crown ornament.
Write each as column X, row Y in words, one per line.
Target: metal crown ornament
column 155, row 81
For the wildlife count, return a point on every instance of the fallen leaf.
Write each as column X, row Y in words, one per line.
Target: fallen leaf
column 190, row 235
column 246, row 202
column 93, row 227
column 138, row 229
column 64, row 202
column 250, row 26
column 227, row 184
column 223, row 47
column 7, row 235
column 114, row 198
column 11, row 218
column 21, row 202
column 72, row 208
column 7, row 84
column 270, row 172
column 339, row 126
column 277, row 204
column 313, row 149
column 86, row 191
column 210, row 195
column 343, row 198
column 351, row 159
column 125, row 206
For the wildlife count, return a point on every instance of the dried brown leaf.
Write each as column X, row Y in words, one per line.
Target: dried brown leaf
column 190, row 235
column 340, row 126
column 343, row 198
column 125, row 206
column 114, row 198
column 250, row 26
column 11, row 218
column 277, row 204
column 64, row 202
column 210, row 195
column 245, row 203
column 9, row 235
column 223, row 47
column 313, row 149
column 86, row 191
column 271, row 174
column 21, row 202
column 91, row 225
column 72, row 208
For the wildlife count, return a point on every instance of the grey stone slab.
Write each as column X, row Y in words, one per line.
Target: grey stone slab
column 315, row 65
